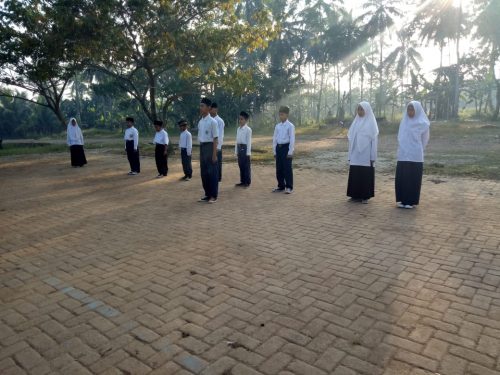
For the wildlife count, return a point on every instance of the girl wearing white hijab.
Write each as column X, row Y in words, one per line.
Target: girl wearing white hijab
column 75, row 143
column 413, row 137
column 363, row 138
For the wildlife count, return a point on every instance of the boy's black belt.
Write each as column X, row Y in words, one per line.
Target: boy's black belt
column 283, row 144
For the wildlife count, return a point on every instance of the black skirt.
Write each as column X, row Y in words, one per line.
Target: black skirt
column 361, row 183
column 77, row 156
column 409, row 182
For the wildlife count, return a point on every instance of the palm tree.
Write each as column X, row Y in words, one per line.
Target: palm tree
column 405, row 58
column 489, row 32
column 362, row 66
column 442, row 21
column 380, row 15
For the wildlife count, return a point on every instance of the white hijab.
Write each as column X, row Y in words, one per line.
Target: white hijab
column 74, row 132
column 411, row 129
column 363, row 130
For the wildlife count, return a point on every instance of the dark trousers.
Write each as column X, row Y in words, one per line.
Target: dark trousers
column 209, row 170
column 186, row 163
column 244, row 164
column 284, row 172
column 219, row 164
column 133, row 157
column 161, row 159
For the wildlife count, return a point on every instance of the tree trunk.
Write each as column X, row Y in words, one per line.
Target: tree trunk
column 320, row 95
column 496, row 112
column 299, row 107
column 362, row 84
column 152, row 94
column 381, row 72
column 339, row 105
column 456, row 89
column 350, row 92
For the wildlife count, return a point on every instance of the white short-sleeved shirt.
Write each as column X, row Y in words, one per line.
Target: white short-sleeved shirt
column 207, row 129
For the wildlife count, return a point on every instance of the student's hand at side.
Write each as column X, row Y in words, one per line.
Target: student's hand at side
column 214, row 159
column 165, row 153
column 289, row 156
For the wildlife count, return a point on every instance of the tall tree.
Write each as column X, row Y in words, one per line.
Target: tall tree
column 183, row 44
column 43, row 44
column 405, row 58
column 442, row 21
column 489, row 32
column 362, row 66
column 380, row 15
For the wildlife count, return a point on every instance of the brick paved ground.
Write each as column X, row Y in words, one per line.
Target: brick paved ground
column 103, row 273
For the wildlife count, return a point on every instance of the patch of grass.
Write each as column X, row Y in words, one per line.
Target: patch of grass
column 31, row 148
column 13, row 149
column 483, row 166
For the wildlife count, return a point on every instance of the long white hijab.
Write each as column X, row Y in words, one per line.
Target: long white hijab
column 73, row 131
column 411, row 129
column 363, row 130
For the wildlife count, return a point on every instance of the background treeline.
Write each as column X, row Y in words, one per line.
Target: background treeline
column 102, row 60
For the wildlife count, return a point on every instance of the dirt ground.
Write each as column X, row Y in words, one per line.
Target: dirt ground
column 103, row 273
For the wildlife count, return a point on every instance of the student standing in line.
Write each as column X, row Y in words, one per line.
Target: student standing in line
column 363, row 138
column 413, row 137
column 161, row 156
column 208, row 134
column 186, row 146
column 132, row 147
column 74, row 139
column 214, row 112
column 283, row 148
column 243, row 149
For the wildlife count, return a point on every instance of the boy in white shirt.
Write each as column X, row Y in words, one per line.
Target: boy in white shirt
column 283, row 148
column 132, row 147
column 161, row 141
column 208, row 134
column 214, row 112
column 243, row 149
column 186, row 146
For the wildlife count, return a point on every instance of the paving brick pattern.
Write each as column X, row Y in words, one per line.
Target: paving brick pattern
column 108, row 274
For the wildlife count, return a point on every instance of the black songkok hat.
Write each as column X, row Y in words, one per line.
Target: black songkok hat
column 182, row 122
column 214, row 105
column 129, row 119
column 244, row 114
column 206, row 101
column 158, row 122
